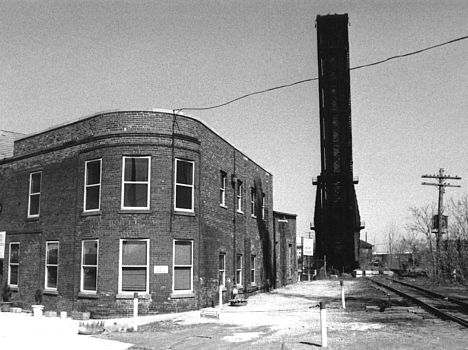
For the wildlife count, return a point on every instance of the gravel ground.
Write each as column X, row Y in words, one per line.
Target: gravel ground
column 287, row 318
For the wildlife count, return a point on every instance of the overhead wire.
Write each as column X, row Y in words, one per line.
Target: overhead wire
column 177, row 110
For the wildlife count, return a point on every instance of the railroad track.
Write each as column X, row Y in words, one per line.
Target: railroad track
column 442, row 306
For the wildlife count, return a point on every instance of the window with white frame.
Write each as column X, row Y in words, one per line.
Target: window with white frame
column 184, row 189
column 89, row 265
column 252, row 269
column 222, row 189
column 290, row 260
column 253, row 195
column 136, row 182
column 183, row 266
column 34, row 194
column 239, row 266
column 263, row 206
column 240, row 190
column 13, row 264
column 134, row 265
column 222, row 269
column 92, row 188
column 52, row 263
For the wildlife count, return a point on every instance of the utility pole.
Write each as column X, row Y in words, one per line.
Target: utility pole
column 440, row 208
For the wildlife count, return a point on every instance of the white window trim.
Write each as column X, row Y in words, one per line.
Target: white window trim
column 34, row 193
column 192, row 186
column 240, row 269
column 253, row 259
column 223, row 282
column 120, row 267
column 183, row 291
column 46, row 274
column 148, row 183
column 82, row 290
column 93, row 185
column 263, row 206
column 253, row 194
column 222, row 189
column 15, row 264
column 240, row 192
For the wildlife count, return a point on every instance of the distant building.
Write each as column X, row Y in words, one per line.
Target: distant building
column 365, row 254
column 143, row 202
column 7, row 139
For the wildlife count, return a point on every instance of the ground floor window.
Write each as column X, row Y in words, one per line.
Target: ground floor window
column 183, row 266
column 222, row 269
column 239, row 264
column 89, row 265
column 52, row 262
column 13, row 264
column 134, row 259
column 252, row 269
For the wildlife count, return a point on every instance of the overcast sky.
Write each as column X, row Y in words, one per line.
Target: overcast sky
column 62, row 60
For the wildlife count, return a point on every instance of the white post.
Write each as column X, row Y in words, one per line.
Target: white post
column 220, row 297
column 343, row 303
column 135, row 311
column 323, row 324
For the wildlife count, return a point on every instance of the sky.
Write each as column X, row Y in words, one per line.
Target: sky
column 63, row 60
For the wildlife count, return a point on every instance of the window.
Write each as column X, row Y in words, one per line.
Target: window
column 34, row 194
column 240, row 190
column 263, row 206
column 184, row 185
column 52, row 261
column 252, row 269
column 222, row 189
column 135, row 182
column 92, row 188
column 222, row 269
column 183, row 274
column 134, row 265
column 290, row 260
column 89, row 265
column 253, row 194
column 239, row 269
column 13, row 265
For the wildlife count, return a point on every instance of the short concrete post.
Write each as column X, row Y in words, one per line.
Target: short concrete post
column 343, row 303
column 323, row 324
column 135, row 311
column 220, row 305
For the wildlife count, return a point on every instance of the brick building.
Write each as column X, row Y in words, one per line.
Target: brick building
column 285, row 263
column 134, row 201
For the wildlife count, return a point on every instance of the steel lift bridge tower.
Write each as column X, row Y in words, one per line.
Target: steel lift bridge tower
column 337, row 222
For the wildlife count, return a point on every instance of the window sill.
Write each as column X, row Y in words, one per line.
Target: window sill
column 85, row 295
column 181, row 295
column 14, row 288
column 50, row 292
column 134, row 211
column 91, row 213
column 223, row 206
column 240, row 212
column 130, row 295
column 184, row 213
column 32, row 219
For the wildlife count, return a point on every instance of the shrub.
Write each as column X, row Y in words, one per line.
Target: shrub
column 6, row 292
column 38, row 296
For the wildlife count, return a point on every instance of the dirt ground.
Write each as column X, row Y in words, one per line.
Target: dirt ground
column 287, row 318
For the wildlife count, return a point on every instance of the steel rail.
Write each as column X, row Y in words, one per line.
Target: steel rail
column 433, row 310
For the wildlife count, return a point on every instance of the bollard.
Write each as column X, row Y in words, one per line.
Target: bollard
column 323, row 324
column 135, row 311
column 343, row 303
column 220, row 297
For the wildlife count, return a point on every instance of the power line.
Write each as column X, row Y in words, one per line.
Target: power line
column 316, row 78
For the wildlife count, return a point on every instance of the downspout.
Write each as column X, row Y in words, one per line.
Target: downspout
column 76, row 229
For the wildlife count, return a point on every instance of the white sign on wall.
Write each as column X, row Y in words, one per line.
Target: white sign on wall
column 161, row 269
column 307, row 246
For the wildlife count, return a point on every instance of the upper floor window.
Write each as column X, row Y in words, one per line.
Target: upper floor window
column 89, row 265
column 240, row 191
column 92, row 188
column 222, row 188
column 263, row 206
column 13, row 265
column 34, row 194
column 253, row 195
column 184, row 188
column 136, row 182
column 52, row 261
column 222, row 269
column 134, row 265
column 183, row 266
